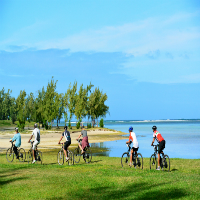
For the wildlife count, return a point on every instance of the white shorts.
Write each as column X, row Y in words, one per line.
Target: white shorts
column 35, row 144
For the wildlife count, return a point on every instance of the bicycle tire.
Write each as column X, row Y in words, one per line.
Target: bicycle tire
column 22, row 155
column 138, row 161
column 38, row 157
column 9, row 155
column 153, row 162
column 77, row 155
column 60, row 157
column 166, row 163
column 30, row 156
column 71, row 158
column 125, row 160
column 87, row 156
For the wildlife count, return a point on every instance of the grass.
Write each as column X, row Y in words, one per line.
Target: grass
column 103, row 178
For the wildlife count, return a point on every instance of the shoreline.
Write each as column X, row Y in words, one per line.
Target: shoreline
column 49, row 139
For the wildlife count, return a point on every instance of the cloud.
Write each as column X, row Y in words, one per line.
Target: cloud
column 153, row 54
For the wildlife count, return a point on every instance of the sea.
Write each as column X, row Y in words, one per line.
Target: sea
column 182, row 137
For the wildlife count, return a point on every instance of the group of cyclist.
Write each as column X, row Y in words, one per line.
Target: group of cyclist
column 84, row 143
column 156, row 135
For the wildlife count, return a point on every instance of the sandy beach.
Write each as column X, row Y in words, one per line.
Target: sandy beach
column 49, row 139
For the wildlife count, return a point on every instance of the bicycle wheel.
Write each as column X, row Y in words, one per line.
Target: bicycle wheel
column 87, row 156
column 125, row 160
column 139, row 161
column 77, row 155
column 10, row 155
column 60, row 157
column 30, row 156
column 153, row 162
column 166, row 163
column 71, row 158
column 38, row 157
column 22, row 155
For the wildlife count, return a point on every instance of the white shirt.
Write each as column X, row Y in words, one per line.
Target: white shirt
column 36, row 133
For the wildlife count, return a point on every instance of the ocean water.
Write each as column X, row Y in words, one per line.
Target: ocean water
column 182, row 137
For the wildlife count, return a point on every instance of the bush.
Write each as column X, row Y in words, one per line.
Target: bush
column 69, row 125
column 78, row 124
column 101, row 123
column 89, row 125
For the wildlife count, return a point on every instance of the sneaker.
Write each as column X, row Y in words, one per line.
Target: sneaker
column 67, row 159
column 33, row 161
column 158, row 168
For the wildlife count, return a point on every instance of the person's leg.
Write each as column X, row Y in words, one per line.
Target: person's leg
column 131, row 157
column 158, row 160
column 15, row 150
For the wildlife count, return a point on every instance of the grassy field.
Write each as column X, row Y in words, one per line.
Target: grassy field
column 103, row 178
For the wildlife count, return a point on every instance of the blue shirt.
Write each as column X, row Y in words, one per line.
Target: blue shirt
column 17, row 138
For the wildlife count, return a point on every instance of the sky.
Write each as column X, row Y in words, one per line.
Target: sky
column 145, row 55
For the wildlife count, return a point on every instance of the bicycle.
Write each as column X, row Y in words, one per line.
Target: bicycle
column 61, row 156
column 87, row 155
column 164, row 160
column 38, row 154
column 10, row 154
column 137, row 159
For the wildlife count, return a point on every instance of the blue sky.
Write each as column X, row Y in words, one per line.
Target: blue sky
column 145, row 55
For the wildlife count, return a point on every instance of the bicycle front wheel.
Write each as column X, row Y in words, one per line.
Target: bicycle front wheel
column 77, row 155
column 38, row 157
column 71, row 158
column 87, row 156
column 139, row 161
column 153, row 162
column 22, row 155
column 166, row 163
column 60, row 157
column 125, row 160
column 10, row 155
column 30, row 156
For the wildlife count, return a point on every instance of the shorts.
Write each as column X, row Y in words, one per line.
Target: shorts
column 161, row 146
column 135, row 149
column 67, row 143
column 35, row 144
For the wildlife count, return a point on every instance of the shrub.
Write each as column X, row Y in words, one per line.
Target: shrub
column 78, row 124
column 101, row 123
column 89, row 125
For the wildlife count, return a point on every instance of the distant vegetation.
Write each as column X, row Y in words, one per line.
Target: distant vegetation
column 48, row 105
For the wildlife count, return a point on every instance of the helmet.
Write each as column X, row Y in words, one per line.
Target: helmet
column 35, row 125
column 65, row 127
column 82, row 127
column 16, row 129
column 154, row 127
column 130, row 128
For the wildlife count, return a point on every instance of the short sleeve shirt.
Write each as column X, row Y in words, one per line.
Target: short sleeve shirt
column 36, row 133
column 158, row 136
column 84, row 133
column 66, row 134
column 17, row 138
column 133, row 138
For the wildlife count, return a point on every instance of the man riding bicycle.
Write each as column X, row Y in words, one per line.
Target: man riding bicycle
column 132, row 137
column 36, row 133
column 84, row 142
column 17, row 138
column 161, row 141
column 66, row 134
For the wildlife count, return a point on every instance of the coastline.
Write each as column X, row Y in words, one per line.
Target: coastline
column 49, row 139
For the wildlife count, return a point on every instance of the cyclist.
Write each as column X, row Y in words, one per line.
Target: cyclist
column 17, row 138
column 84, row 142
column 66, row 134
column 161, row 141
column 132, row 137
column 36, row 133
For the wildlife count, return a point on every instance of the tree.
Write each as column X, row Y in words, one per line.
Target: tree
column 21, row 109
column 30, row 108
column 96, row 105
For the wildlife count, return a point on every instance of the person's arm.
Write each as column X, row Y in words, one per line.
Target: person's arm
column 60, row 139
column 152, row 141
column 79, row 136
column 30, row 138
column 129, row 139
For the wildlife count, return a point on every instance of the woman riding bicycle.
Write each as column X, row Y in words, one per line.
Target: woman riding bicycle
column 84, row 142
column 135, row 147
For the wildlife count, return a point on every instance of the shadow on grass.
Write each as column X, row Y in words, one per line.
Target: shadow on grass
column 137, row 191
column 10, row 180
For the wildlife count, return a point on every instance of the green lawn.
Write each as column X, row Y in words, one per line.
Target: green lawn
column 103, row 178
